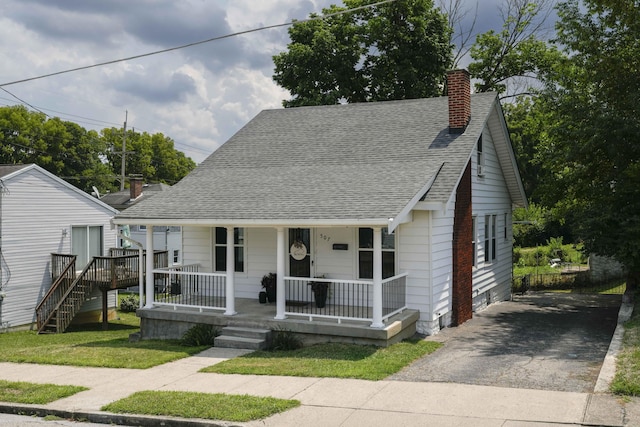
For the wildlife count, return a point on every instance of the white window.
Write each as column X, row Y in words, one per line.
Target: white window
column 365, row 253
column 490, row 238
column 220, row 250
column 176, row 256
column 480, row 157
column 506, row 227
column 86, row 242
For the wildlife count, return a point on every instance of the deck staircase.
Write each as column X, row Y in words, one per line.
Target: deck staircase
column 69, row 290
column 245, row 338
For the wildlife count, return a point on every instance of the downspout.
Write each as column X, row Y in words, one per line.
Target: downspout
column 4, row 278
column 140, row 264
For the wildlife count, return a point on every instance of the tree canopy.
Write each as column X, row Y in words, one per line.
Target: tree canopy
column 593, row 154
column 398, row 50
column 516, row 54
column 86, row 158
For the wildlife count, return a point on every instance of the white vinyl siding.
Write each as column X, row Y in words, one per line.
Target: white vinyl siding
column 442, row 252
column 492, row 208
column 37, row 215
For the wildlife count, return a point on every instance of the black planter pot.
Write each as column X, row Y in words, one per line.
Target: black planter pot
column 320, row 295
column 271, row 295
column 262, row 297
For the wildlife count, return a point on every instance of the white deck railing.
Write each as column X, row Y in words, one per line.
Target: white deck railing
column 184, row 286
column 345, row 299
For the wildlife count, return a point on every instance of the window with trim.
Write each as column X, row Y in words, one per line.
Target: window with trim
column 506, row 228
column 176, row 256
column 220, row 255
column 490, row 238
column 480, row 157
column 474, row 241
column 365, row 253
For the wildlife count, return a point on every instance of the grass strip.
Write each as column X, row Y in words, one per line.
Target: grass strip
column 226, row 407
column 329, row 360
column 89, row 345
column 627, row 378
column 23, row 392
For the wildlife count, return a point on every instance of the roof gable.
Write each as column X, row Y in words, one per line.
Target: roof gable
column 9, row 172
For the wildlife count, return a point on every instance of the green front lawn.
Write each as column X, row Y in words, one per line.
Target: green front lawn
column 89, row 345
column 627, row 378
column 329, row 360
column 228, row 407
column 37, row 394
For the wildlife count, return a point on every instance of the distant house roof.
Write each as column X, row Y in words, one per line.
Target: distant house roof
column 9, row 172
column 122, row 199
column 9, row 169
column 341, row 164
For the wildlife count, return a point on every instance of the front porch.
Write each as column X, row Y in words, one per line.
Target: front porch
column 317, row 310
column 171, row 322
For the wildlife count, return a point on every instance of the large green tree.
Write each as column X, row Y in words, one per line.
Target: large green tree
column 87, row 158
column 398, row 50
column 512, row 60
column 594, row 149
column 63, row 148
column 151, row 155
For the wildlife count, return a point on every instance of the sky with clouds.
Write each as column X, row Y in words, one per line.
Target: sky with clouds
column 198, row 96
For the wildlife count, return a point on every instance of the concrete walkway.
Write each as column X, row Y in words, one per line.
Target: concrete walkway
column 329, row 401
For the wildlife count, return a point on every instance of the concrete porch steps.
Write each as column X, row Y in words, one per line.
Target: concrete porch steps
column 245, row 338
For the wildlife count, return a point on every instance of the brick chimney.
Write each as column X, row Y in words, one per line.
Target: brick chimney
column 135, row 186
column 459, row 91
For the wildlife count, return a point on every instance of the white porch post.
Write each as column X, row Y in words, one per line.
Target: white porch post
column 149, row 269
column 377, row 278
column 231, row 267
column 280, row 271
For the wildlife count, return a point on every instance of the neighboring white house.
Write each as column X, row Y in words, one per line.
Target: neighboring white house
column 165, row 238
column 408, row 199
column 41, row 214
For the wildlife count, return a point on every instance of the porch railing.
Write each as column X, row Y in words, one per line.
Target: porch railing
column 345, row 299
column 184, row 286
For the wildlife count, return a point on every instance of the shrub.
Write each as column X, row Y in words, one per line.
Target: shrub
column 284, row 340
column 200, row 335
column 555, row 249
column 130, row 303
column 534, row 257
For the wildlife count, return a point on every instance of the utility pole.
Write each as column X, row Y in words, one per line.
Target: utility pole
column 124, row 150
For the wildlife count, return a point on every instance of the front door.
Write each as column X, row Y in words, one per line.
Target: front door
column 300, row 252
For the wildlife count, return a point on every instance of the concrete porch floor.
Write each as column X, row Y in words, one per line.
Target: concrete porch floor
column 165, row 322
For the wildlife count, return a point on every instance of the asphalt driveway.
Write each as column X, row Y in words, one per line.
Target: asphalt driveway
column 544, row 341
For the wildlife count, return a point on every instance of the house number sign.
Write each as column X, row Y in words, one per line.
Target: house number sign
column 298, row 251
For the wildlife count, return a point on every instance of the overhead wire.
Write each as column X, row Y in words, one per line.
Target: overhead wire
column 212, row 39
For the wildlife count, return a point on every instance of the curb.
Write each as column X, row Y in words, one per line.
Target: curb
column 608, row 370
column 110, row 418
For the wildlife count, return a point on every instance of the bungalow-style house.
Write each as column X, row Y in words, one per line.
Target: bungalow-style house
column 165, row 238
column 399, row 212
column 41, row 214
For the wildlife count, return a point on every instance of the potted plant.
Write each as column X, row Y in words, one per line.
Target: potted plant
column 320, row 291
column 269, row 285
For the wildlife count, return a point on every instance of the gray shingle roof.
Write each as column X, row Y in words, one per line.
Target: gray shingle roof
column 122, row 199
column 343, row 162
column 9, row 169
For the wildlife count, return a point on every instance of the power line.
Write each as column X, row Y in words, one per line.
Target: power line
column 226, row 36
column 25, row 102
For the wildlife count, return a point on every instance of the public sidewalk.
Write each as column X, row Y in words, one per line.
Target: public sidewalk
column 325, row 401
